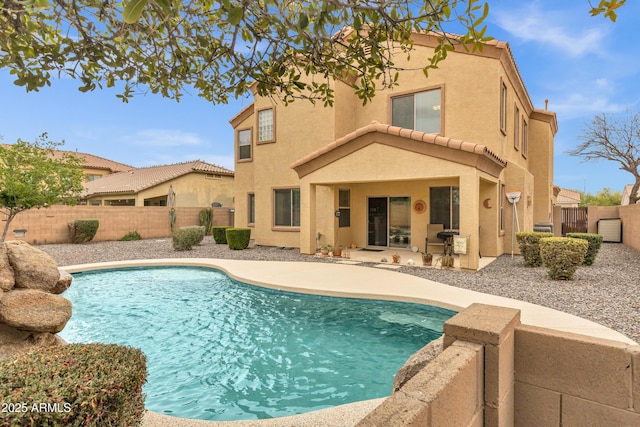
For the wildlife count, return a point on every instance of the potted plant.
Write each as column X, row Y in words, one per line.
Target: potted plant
column 446, row 261
column 337, row 251
column 427, row 258
column 326, row 248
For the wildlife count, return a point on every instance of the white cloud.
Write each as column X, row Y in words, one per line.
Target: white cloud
column 532, row 23
column 163, row 138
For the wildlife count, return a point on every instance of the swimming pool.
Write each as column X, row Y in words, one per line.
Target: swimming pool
column 219, row 349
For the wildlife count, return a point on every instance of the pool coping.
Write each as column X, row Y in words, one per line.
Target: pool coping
column 333, row 279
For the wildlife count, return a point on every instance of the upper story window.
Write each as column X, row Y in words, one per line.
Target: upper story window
column 516, row 129
column 244, row 144
column 92, row 177
column 419, row 111
column 266, row 126
column 503, row 107
column 525, row 138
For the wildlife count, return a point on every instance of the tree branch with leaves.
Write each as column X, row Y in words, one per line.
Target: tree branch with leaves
column 287, row 48
column 36, row 175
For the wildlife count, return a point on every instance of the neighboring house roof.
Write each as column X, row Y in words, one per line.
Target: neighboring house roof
column 89, row 161
column 136, row 180
column 492, row 164
column 626, row 194
column 568, row 197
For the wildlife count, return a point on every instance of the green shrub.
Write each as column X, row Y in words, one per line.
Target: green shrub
column 82, row 230
column 562, row 256
column 206, row 220
column 238, row 238
column 184, row 238
column 595, row 242
column 219, row 234
column 529, row 243
column 132, row 235
column 74, row 385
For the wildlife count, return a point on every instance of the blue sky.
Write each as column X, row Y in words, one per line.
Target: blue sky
column 583, row 65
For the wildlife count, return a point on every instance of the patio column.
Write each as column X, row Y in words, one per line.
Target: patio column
column 307, row 218
column 469, row 218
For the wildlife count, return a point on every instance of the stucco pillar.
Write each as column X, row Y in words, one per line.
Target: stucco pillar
column 307, row 218
column 469, row 219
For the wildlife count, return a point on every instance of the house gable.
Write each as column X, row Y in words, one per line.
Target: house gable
column 462, row 152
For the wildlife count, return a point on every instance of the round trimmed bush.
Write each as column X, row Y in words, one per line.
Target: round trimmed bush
column 238, row 238
column 562, row 256
column 529, row 243
column 219, row 234
column 82, row 230
column 595, row 242
column 184, row 238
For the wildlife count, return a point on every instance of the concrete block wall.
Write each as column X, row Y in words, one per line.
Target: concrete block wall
column 577, row 379
column 49, row 225
column 453, row 380
column 494, row 371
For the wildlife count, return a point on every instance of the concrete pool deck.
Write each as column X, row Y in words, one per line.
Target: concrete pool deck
column 353, row 281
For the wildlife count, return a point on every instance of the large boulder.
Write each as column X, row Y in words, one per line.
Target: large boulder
column 63, row 282
column 33, row 268
column 7, row 278
column 14, row 341
column 416, row 362
column 34, row 310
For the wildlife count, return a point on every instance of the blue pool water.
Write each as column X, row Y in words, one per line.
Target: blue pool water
column 219, row 349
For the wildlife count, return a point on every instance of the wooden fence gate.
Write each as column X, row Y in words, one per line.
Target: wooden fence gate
column 574, row 220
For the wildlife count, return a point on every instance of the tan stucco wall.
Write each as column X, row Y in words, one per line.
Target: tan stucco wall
column 192, row 190
column 49, row 225
column 471, row 87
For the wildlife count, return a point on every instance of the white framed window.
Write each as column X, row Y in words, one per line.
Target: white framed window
column 266, row 126
column 420, row 111
column 244, row 144
column 286, row 207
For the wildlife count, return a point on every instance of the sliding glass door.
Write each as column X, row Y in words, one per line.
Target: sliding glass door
column 389, row 222
column 377, row 223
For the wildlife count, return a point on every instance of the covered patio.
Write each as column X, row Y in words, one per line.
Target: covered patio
column 382, row 186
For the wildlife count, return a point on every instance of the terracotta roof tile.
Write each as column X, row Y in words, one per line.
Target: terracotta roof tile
column 91, row 161
column 428, row 138
column 135, row 180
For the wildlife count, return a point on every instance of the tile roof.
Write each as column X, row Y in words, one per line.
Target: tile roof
column 567, row 196
column 135, row 180
column 90, row 161
column 415, row 135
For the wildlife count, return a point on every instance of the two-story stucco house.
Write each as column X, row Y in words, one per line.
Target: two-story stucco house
column 443, row 150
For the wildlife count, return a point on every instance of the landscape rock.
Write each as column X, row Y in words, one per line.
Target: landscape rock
column 34, row 310
column 7, row 278
column 416, row 362
column 63, row 282
column 33, row 268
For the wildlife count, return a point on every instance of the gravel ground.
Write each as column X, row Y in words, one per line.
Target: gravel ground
column 608, row 292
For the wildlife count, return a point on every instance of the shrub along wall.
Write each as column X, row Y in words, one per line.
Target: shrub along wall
column 50, row 225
